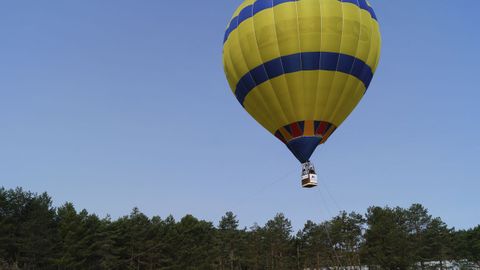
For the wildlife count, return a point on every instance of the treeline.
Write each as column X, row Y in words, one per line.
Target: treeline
column 35, row 235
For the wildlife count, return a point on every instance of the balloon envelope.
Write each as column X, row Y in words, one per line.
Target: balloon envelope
column 300, row 67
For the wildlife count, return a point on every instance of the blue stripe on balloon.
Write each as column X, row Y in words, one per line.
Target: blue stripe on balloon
column 300, row 62
column 245, row 14
column 262, row 5
column 363, row 5
column 250, row 11
column 259, row 5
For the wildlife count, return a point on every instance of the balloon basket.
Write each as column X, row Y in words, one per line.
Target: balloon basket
column 309, row 176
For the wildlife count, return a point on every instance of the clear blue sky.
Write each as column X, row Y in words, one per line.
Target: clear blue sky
column 114, row 104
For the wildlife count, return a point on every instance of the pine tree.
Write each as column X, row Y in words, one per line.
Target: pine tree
column 418, row 221
column 105, row 245
column 438, row 241
column 316, row 247
column 6, row 228
column 131, row 240
column 33, row 230
column 278, row 236
column 387, row 241
column 474, row 245
column 346, row 235
column 69, row 233
column 195, row 244
column 253, row 252
column 229, row 238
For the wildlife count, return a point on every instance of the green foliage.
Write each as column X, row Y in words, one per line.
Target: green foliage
column 467, row 243
column 28, row 229
column 440, row 240
column 335, row 242
column 387, row 241
column 35, row 235
column 277, row 233
column 230, row 242
column 417, row 221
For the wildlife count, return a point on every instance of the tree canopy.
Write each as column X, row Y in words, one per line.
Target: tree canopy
column 36, row 235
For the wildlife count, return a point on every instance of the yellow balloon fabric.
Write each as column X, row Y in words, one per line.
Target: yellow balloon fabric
column 300, row 67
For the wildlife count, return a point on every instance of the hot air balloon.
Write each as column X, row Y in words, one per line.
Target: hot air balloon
column 300, row 67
